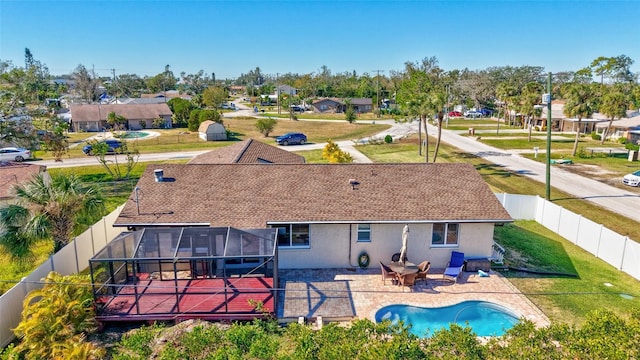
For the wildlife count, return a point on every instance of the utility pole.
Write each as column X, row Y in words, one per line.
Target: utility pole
column 548, row 167
column 378, row 90
column 115, row 83
column 278, row 91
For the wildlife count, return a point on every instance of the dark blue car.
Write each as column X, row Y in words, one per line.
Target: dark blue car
column 291, row 138
column 112, row 145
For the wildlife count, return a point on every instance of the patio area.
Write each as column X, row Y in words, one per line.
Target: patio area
column 344, row 294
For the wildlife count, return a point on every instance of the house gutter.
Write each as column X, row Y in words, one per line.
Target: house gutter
column 161, row 224
column 392, row 221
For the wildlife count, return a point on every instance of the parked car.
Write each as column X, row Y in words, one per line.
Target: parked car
column 297, row 108
column 632, row 179
column 14, row 154
column 486, row 112
column 455, row 114
column 291, row 138
column 472, row 114
column 112, row 144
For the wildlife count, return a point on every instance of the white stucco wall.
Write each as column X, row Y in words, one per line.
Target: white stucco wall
column 329, row 245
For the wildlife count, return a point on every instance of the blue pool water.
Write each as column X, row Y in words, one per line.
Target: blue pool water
column 134, row 135
column 484, row 318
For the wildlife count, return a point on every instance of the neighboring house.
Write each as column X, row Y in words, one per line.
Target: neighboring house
column 236, row 89
column 627, row 128
column 212, row 131
column 587, row 126
column 327, row 214
column 155, row 100
column 166, row 95
column 557, row 114
column 12, row 174
column 286, row 89
column 560, row 122
column 93, row 117
column 248, row 152
column 335, row 105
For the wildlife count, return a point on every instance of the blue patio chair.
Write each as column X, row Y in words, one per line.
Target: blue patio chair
column 454, row 268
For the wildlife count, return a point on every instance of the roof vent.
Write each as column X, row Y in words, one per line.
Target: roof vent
column 159, row 174
column 354, row 183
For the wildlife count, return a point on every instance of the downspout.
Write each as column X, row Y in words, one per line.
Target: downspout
column 350, row 235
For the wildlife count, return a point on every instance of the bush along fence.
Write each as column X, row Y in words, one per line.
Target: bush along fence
column 71, row 259
column 617, row 250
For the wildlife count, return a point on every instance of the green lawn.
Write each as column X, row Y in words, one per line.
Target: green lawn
column 566, row 299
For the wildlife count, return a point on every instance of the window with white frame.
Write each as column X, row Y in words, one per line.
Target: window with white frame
column 364, row 232
column 293, row 235
column 445, row 234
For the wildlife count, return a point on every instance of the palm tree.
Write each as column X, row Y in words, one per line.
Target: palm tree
column 614, row 105
column 47, row 209
column 579, row 104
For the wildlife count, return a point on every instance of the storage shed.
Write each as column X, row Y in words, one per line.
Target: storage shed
column 212, row 131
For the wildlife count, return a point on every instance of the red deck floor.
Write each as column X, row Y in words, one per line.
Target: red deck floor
column 197, row 298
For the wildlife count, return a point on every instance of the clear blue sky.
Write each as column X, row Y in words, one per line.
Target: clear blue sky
column 233, row 37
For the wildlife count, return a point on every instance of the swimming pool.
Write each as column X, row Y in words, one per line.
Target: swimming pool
column 134, row 135
column 484, row 318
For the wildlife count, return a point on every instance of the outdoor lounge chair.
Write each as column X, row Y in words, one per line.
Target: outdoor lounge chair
column 408, row 280
column 423, row 269
column 454, row 268
column 387, row 273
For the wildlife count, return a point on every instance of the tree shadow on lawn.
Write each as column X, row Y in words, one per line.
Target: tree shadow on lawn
column 536, row 255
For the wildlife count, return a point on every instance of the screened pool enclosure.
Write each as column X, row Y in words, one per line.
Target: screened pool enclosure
column 181, row 273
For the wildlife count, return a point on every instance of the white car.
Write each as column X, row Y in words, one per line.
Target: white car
column 472, row 114
column 14, row 154
column 632, row 179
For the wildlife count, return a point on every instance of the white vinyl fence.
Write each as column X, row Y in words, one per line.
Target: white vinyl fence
column 73, row 258
column 615, row 249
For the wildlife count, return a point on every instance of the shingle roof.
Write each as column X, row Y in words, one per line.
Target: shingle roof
column 248, row 152
column 253, row 195
column 97, row 112
column 13, row 173
column 353, row 101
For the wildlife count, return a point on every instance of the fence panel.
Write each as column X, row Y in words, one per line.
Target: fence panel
column 568, row 224
column 519, row 206
column 112, row 232
column 32, row 280
column 611, row 247
column 550, row 216
column 84, row 249
column 10, row 312
column 589, row 235
column 64, row 261
column 630, row 263
column 99, row 235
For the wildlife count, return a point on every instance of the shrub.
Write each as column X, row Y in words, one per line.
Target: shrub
column 622, row 140
column 595, row 136
column 333, row 153
column 388, row 139
column 56, row 319
column 350, row 115
column 630, row 146
column 266, row 126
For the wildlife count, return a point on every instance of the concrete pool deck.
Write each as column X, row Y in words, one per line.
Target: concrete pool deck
column 344, row 294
